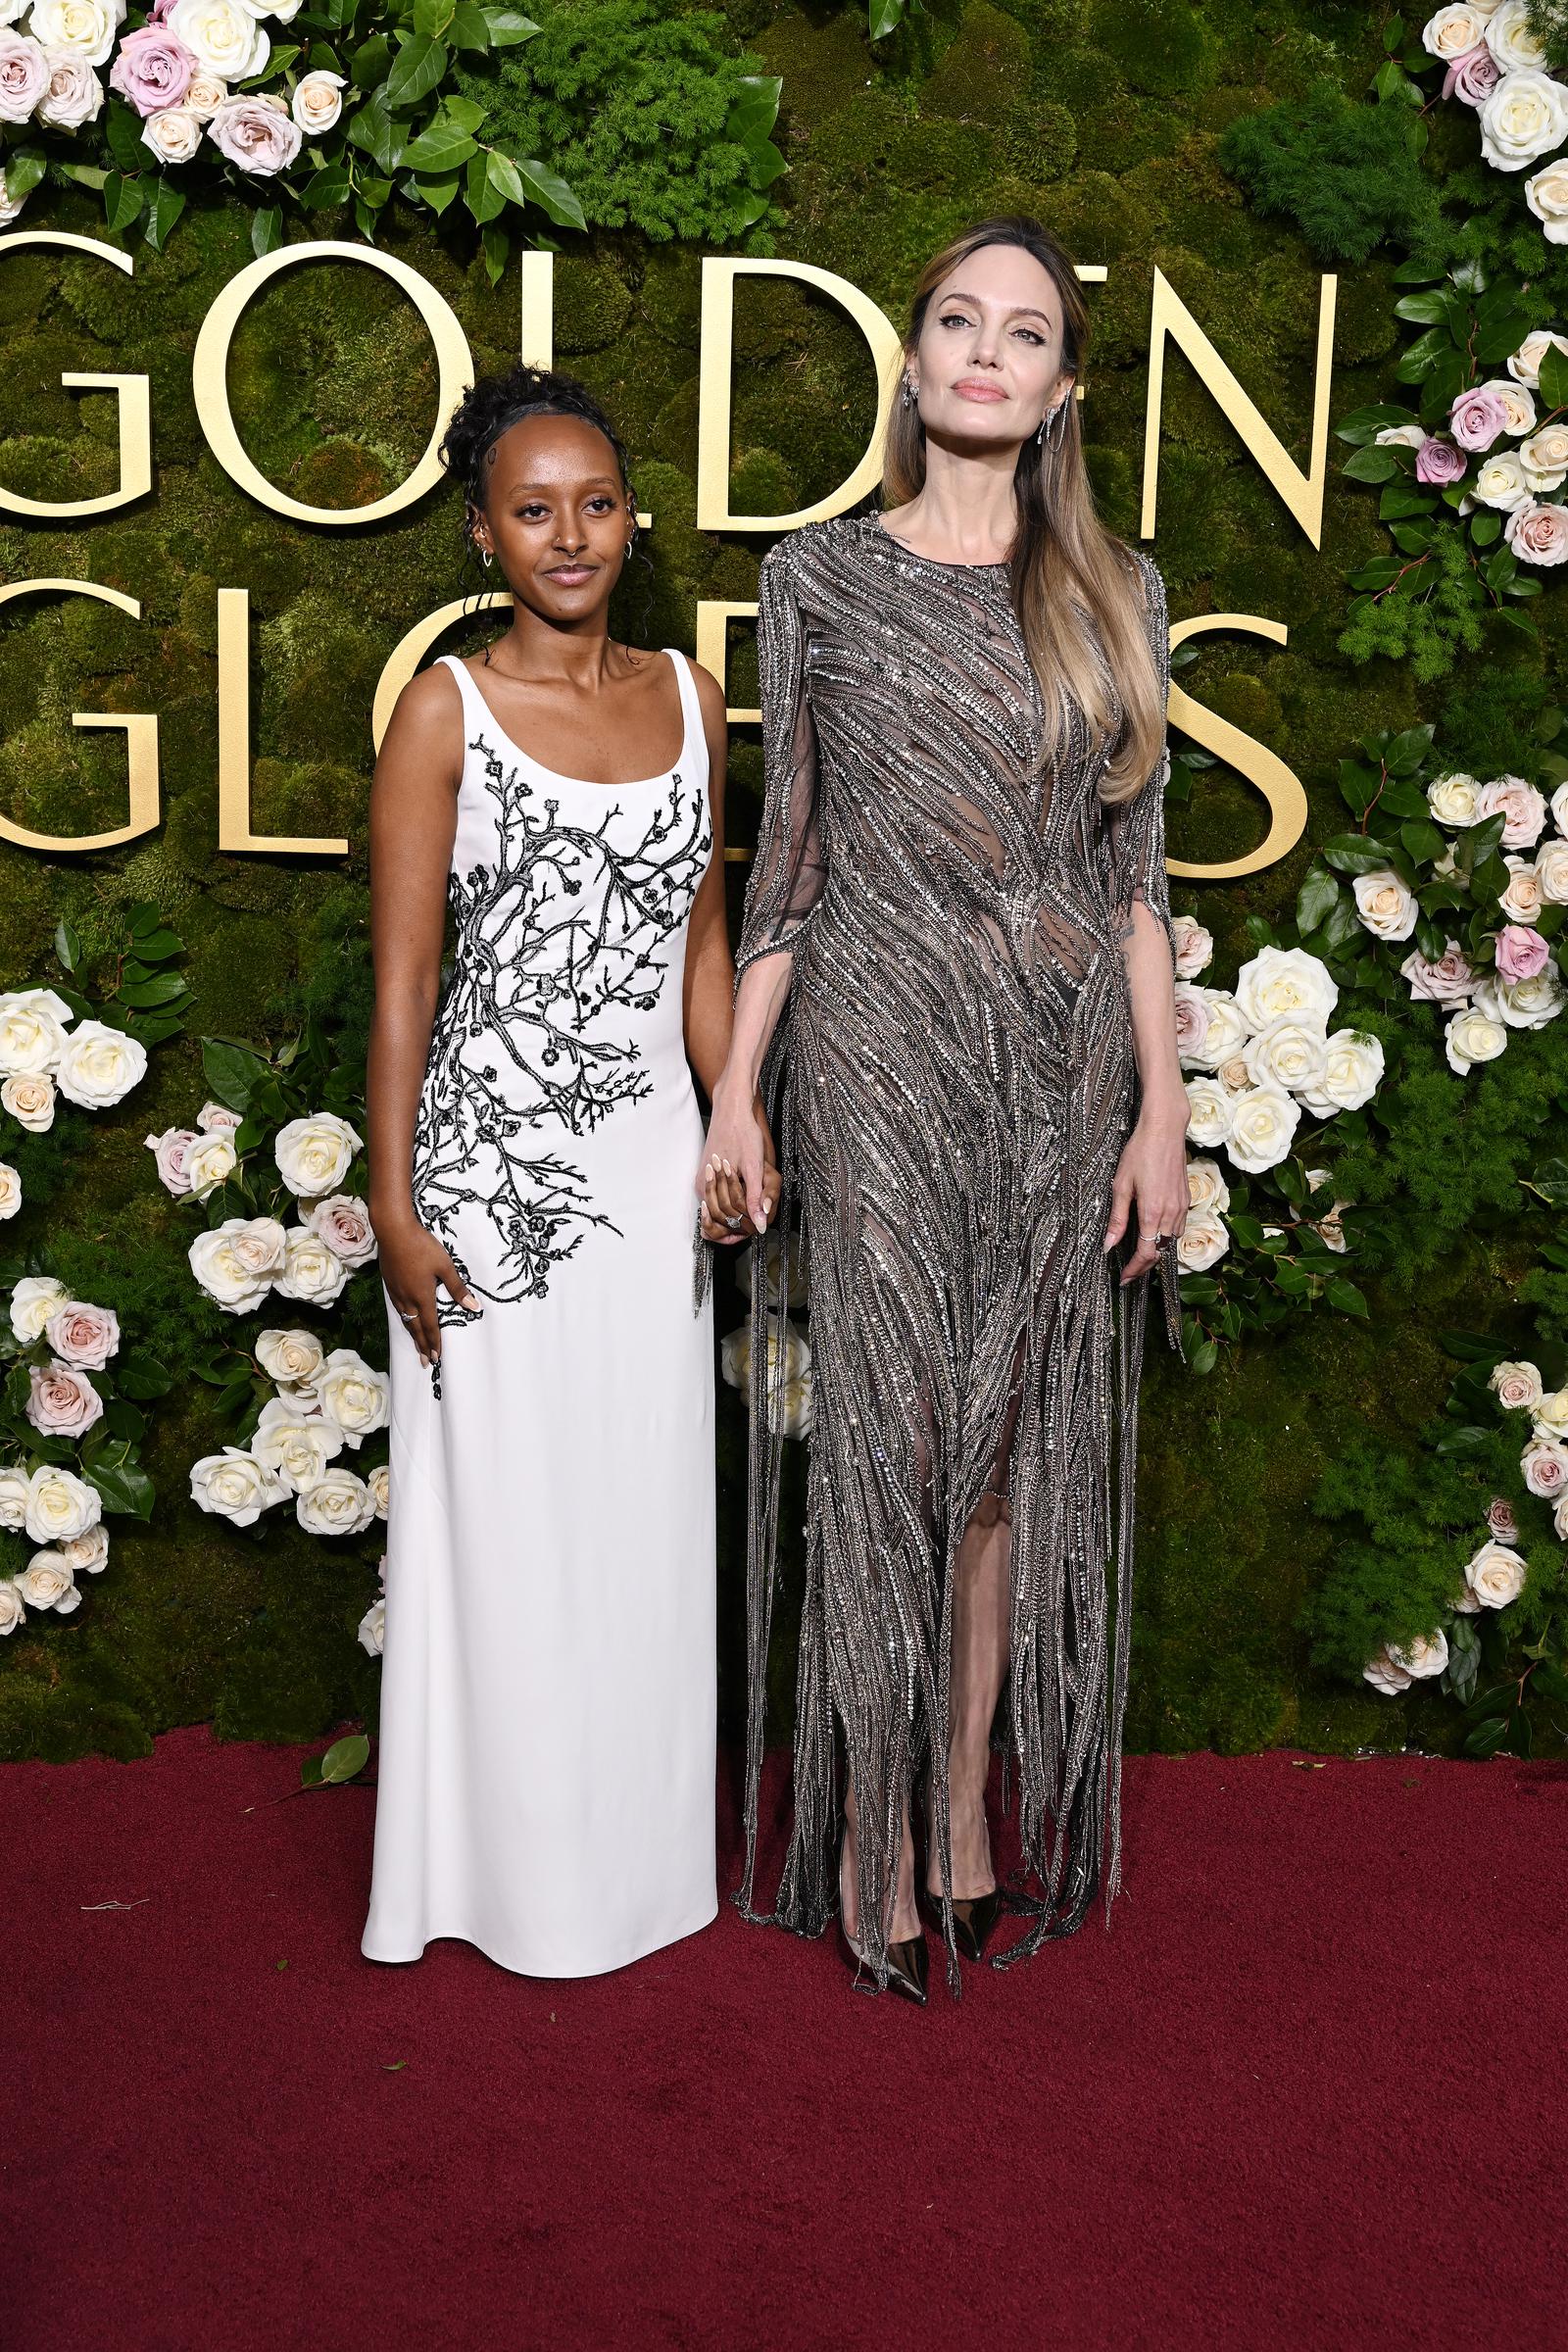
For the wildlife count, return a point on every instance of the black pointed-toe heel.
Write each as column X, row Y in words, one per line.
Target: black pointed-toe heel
column 908, row 1967
column 974, row 1919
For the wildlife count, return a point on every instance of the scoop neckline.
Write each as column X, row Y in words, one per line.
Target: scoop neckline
column 558, row 775
column 879, row 525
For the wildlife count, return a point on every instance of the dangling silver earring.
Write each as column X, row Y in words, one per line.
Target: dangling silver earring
column 484, row 557
column 632, row 543
column 909, row 394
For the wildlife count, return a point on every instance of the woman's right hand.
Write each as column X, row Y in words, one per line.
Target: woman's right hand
column 414, row 1266
column 738, row 1147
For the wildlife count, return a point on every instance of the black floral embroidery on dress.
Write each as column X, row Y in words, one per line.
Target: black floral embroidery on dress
column 518, row 1042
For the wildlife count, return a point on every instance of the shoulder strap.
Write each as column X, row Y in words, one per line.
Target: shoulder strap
column 694, row 742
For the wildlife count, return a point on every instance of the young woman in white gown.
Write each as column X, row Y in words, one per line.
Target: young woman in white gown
column 546, row 1744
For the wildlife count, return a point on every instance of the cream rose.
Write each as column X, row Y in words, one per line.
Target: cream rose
column 1385, row 1674
column 1538, row 534
column 174, row 133
column 1518, row 401
column 13, row 1495
column 1543, row 1467
column 317, row 102
column 1522, row 119
column 1551, row 871
column 1529, row 1004
column 62, row 1402
column 1448, row 981
column 99, row 1065
column 344, row 1224
column 87, row 27
column 315, row 1154
column 310, row 1271
column 74, row 95
column 237, row 1262
column 1547, row 194
column 1353, row 1071
column 234, row 1486
column 1472, row 1036
column 1226, row 1029
column 1289, row 1053
column 1265, row 1118
column 1550, row 1416
column 1400, row 436
column 1211, row 1113
column 89, row 1555
column 60, row 1504
column 1195, row 946
column 292, row 1358
column 82, row 1335
column 338, row 1504
column 211, row 1160
column 1521, row 898
column 1207, row 1186
column 1495, row 1575
column 1516, row 1385
column 1509, row 35
column 32, row 1030
column 372, row 1627
column 1203, row 1240
column 379, row 1482
column 1545, row 458
column 12, row 1612
column 1501, row 482
column 170, row 1152
column 1521, row 806
column 1423, row 1657
column 354, row 1394
column 203, row 99
column 256, row 131
column 1280, row 980
column 293, row 1446
column 1454, row 32
column 1385, row 903
column 1454, row 800
column 795, row 1293
column 46, row 1583
column 33, row 1301
column 1525, row 365
column 791, row 1412
column 223, row 39
column 10, row 1190
column 30, row 1101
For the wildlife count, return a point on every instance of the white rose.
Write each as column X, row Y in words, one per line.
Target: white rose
column 74, row 95
column 1385, row 903
column 1551, row 871
column 292, row 1358
column 32, row 1301
column 211, row 1161
column 1226, row 1029
column 1495, row 1575
column 1525, row 365
column 14, row 1492
column 379, row 1482
column 1519, row 407
column 1521, row 899
column 238, row 1262
column 1454, row 800
column 1545, row 458
column 174, row 133
column 1543, row 1467
column 796, row 1284
column 1266, row 1119
column 1530, row 1004
column 203, row 98
column 223, row 39
column 30, row 1099
column 99, row 1065
column 354, row 1394
column 1508, row 35
column 32, row 1030
column 1203, row 1240
column 1550, row 1416
column 1426, row 1656
column 310, row 1271
column 790, row 1413
column 1547, row 194
column 1211, row 1113
column 89, row 1555
column 1521, row 806
column 315, row 1154
column 1522, row 119
column 338, row 1504
column 60, row 1504
column 1195, row 946
column 1516, row 1386
column 1279, row 980
column 1353, row 1071
column 372, row 1627
column 10, row 1190
column 1472, row 1036
column 295, row 1447
column 234, row 1484
column 46, row 1583
column 1207, row 1186
column 1501, row 481
column 1385, row 1674
column 317, row 102
column 1454, row 32
column 87, row 27
column 12, row 1612
column 1289, row 1053
column 1400, row 436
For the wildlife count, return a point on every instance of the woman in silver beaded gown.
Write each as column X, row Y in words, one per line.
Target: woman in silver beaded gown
column 981, row 1123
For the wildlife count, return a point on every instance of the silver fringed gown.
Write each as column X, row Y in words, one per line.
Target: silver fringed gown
column 951, row 1084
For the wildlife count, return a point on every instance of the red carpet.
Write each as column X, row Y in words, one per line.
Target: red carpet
column 1308, row 2091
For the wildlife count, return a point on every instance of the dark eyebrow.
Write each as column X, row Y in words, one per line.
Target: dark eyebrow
column 1023, row 310
column 594, row 481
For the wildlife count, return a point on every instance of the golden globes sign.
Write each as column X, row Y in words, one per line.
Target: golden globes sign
column 1169, row 321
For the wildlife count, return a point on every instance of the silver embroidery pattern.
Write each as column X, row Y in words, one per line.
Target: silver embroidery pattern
column 952, row 1083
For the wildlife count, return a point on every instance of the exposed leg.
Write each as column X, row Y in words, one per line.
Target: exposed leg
column 982, row 1615
column 905, row 1918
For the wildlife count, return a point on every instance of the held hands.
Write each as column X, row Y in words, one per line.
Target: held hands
column 1150, row 1176
column 413, row 1264
column 738, row 1182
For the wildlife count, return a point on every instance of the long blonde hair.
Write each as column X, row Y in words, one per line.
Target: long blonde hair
column 1066, row 567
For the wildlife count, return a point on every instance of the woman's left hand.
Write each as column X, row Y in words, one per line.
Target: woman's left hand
column 1150, row 1177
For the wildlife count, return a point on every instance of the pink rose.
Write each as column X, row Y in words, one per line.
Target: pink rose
column 1191, row 1020
column 23, row 76
column 62, row 1403
column 169, row 1151
column 87, row 1336
column 1544, row 1463
column 1501, row 1519
column 1522, row 805
column 152, row 70
column 1521, row 953
column 1537, row 533
column 1473, row 76
column 1437, row 460
column 1448, row 981
column 257, row 135
column 1477, row 419
column 216, row 1118
column 344, row 1225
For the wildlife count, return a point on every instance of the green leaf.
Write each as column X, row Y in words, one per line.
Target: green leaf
column 469, row 29
column 145, row 994
column 466, row 113
column 122, row 1487
column 267, row 229
column 68, row 946
column 1487, row 1737
column 123, row 135
column 440, row 149
column 232, row 1071
column 328, row 187
column 755, row 110
column 885, row 17
column 373, row 129
column 509, row 27
column 432, row 17
column 309, row 1778
column 497, row 246
column 370, row 60
column 485, row 194
column 438, row 193
column 1356, row 853
column 417, row 70
column 121, row 201
column 344, row 1758
column 167, row 203
column 25, row 167
column 1346, row 1296
column 1555, row 377
column 1422, row 839
column 139, row 1375
column 1374, row 463
column 548, row 190
column 1318, row 893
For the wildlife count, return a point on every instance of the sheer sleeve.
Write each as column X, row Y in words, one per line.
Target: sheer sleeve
column 790, row 871
column 1137, row 826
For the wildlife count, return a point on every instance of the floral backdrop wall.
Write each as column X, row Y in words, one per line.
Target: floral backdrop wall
column 1353, row 1516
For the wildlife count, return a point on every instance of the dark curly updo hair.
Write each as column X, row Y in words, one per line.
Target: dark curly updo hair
column 496, row 402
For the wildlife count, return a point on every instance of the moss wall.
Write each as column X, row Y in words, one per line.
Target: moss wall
column 1105, row 120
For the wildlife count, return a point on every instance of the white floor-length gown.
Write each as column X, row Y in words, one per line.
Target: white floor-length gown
column 547, row 1708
